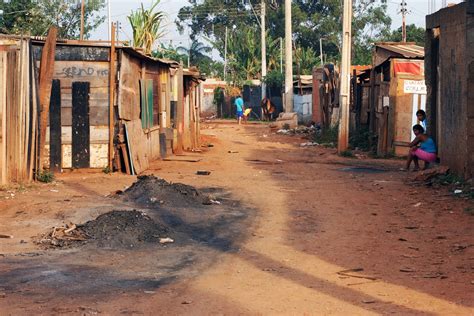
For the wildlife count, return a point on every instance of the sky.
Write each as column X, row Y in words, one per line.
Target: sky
column 121, row 8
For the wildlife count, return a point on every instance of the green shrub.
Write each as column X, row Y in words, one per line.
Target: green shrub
column 45, row 176
column 347, row 153
column 364, row 140
column 327, row 136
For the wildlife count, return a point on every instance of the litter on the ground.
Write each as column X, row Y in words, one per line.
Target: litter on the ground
column 166, row 240
column 6, row 236
column 203, row 173
column 457, row 191
column 309, row 144
column 62, row 236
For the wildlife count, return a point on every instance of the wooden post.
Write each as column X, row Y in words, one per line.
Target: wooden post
column 111, row 96
column 3, row 117
column 180, row 109
column 317, row 112
column 46, row 77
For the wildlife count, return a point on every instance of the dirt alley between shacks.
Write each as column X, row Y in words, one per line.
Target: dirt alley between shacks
column 296, row 230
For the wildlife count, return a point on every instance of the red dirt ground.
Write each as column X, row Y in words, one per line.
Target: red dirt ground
column 315, row 216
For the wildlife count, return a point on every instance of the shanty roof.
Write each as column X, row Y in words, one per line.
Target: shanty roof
column 134, row 52
column 387, row 50
column 306, row 80
column 194, row 73
column 102, row 44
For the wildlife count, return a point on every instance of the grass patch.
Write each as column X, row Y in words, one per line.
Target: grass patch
column 107, row 170
column 327, row 137
column 362, row 139
column 45, row 176
column 347, row 153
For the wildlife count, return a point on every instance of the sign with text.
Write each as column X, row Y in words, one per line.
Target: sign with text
column 414, row 87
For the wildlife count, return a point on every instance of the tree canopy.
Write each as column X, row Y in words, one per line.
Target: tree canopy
column 36, row 17
column 312, row 21
column 414, row 34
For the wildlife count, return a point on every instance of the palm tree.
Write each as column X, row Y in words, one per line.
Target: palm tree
column 146, row 26
column 196, row 52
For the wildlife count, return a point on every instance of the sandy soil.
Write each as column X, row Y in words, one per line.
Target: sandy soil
column 309, row 216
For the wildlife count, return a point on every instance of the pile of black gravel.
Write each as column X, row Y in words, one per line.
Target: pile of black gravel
column 123, row 229
column 153, row 190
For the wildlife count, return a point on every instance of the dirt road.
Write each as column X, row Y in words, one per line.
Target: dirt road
column 309, row 233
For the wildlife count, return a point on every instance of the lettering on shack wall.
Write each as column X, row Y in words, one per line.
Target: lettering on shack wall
column 414, row 86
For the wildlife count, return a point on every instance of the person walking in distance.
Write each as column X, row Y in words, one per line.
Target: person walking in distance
column 239, row 105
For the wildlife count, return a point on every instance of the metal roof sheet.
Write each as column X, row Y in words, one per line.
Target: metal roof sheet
column 407, row 50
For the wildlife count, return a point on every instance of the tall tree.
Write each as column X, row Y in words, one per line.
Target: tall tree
column 196, row 52
column 36, row 17
column 312, row 20
column 305, row 59
column 414, row 34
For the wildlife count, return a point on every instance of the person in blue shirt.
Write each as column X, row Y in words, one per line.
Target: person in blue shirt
column 421, row 148
column 239, row 105
column 421, row 115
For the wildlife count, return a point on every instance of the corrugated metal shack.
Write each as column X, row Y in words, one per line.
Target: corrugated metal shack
column 386, row 97
column 449, row 69
column 155, row 104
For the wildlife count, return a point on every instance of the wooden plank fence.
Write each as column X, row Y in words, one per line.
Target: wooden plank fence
column 17, row 112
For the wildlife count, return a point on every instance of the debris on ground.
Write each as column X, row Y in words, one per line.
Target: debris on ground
column 123, row 229
column 203, row 173
column 63, row 236
column 300, row 130
column 150, row 187
column 5, row 236
column 166, row 240
column 116, row 229
column 429, row 174
column 348, row 273
column 309, row 144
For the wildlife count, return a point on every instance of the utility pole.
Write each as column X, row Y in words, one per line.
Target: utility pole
column 189, row 53
column 82, row 21
column 264, row 49
column 109, row 16
column 225, row 54
column 288, row 59
column 117, row 31
column 281, row 55
column 343, row 137
column 404, row 11
column 321, row 51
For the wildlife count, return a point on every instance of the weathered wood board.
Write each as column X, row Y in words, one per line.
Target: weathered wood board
column 55, row 154
column 138, row 141
column 80, row 125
